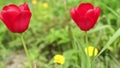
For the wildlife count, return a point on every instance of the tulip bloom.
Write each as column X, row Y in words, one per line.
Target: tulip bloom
column 85, row 16
column 16, row 18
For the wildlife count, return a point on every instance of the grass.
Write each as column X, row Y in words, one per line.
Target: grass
column 52, row 32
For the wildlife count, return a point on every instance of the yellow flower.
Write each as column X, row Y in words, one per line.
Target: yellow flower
column 90, row 50
column 34, row 2
column 45, row 5
column 60, row 59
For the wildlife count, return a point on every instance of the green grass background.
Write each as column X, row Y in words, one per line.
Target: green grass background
column 52, row 31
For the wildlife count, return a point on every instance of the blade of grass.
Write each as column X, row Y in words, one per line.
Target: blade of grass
column 99, row 28
column 110, row 9
column 112, row 39
column 85, row 63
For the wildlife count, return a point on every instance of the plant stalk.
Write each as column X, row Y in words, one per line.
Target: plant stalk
column 26, row 50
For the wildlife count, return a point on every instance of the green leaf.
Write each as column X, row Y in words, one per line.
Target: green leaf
column 99, row 28
column 110, row 9
column 112, row 39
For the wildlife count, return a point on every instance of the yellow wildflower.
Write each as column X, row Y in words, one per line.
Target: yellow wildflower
column 34, row 2
column 90, row 50
column 60, row 59
column 45, row 5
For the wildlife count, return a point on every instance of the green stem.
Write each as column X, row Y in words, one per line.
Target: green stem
column 69, row 26
column 58, row 65
column 86, row 41
column 92, row 63
column 86, row 38
column 26, row 51
column 88, row 58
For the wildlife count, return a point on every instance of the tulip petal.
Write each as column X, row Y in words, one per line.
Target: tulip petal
column 83, row 8
column 9, row 15
column 15, row 19
column 24, row 7
column 11, row 7
column 91, row 15
column 74, row 15
column 22, row 22
column 97, row 13
column 0, row 16
column 8, row 19
column 85, row 24
column 85, row 16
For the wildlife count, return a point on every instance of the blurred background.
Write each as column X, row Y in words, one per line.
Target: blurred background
column 52, row 31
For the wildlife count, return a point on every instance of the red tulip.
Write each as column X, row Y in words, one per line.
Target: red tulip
column 16, row 18
column 85, row 16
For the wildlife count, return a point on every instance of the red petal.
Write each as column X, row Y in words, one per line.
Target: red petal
column 11, row 7
column 97, row 13
column 24, row 7
column 83, row 8
column 9, row 15
column 8, row 19
column 91, row 15
column 0, row 16
column 22, row 22
column 85, row 24
column 74, row 15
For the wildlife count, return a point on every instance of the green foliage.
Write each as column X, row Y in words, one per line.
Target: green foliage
column 52, row 31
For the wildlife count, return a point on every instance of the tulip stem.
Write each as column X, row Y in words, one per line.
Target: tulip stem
column 26, row 50
column 86, row 38
column 86, row 41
